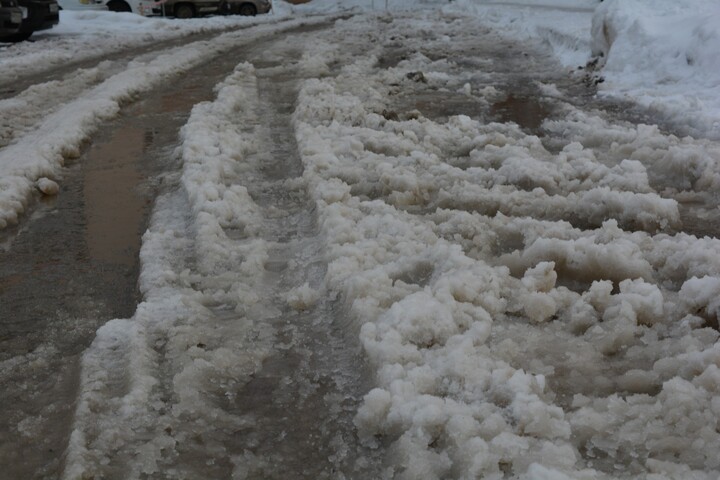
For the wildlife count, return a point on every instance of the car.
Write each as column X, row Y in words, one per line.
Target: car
column 244, row 7
column 82, row 5
column 141, row 7
column 197, row 8
column 10, row 18
column 36, row 15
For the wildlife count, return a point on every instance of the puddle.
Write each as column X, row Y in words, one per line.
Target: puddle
column 114, row 211
column 439, row 106
column 172, row 102
column 526, row 111
column 700, row 219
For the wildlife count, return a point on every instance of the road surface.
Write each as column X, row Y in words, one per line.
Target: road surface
column 370, row 246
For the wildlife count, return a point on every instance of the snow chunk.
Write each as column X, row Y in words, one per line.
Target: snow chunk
column 302, row 297
column 47, row 186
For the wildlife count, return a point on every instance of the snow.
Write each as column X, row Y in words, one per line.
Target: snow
column 562, row 25
column 57, row 134
column 204, row 341
column 525, row 310
column 663, row 55
column 82, row 35
column 674, row 74
column 467, row 324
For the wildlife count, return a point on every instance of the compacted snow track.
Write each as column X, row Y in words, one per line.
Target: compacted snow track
column 404, row 246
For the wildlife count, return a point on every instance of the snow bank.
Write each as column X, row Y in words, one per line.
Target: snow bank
column 665, row 56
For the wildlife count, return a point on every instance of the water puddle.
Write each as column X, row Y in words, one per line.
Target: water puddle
column 700, row 218
column 526, row 111
column 439, row 106
column 114, row 211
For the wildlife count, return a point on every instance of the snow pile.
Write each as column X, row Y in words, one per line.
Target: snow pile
column 664, row 55
column 523, row 314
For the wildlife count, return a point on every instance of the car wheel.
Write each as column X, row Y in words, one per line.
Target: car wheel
column 247, row 9
column 119, row 6
column 184, row 11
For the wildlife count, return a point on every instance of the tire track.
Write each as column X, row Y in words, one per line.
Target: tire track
column 73, row 264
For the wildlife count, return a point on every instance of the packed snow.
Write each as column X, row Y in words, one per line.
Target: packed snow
column 530, row 305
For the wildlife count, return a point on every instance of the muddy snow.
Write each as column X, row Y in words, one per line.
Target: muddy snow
column 402, row 246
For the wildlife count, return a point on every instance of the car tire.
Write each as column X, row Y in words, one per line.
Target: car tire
column 248, row 10
column 119, row 6
column 184, row 11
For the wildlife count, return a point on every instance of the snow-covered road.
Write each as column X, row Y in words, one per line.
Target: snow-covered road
column 391, row 245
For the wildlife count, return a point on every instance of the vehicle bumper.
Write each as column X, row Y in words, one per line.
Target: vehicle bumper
column 10, row 20
column 41, row 15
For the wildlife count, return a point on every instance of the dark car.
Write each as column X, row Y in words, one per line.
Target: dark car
column 10, row 18
column 196, row 8
column 36, row 15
